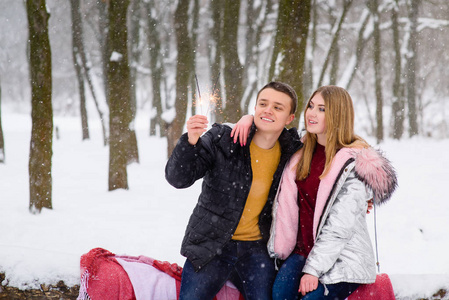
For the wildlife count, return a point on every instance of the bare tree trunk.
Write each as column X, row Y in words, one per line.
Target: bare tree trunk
column 309, row 64
column 252, row 14
column 291, row 42
column 2, row 141
column 374, row 7
column 120, row 115
column 216, row 36
column 194, row 18
column 335, row 57
column 233, row 69
column 131, row 144
column 412, row 68
column 156, row 67
column 337, row 29
column 183, row 74
column 253, row 51
column 398, row 88
column 77, row 37
column 103, row 25
column 41, row 107
column 135, row 12
column 251, row 55
column 83, row 70
column 362, row 40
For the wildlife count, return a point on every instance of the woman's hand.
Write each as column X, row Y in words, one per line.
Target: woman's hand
column 196, row 126
column 370, row 206
column 241, row 129
column 308, row 283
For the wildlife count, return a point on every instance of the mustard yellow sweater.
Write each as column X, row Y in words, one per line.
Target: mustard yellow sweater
column 264, row 163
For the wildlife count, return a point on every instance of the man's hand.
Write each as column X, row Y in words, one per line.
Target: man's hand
column 241, row 129
column 308, row 283
column 196, row 126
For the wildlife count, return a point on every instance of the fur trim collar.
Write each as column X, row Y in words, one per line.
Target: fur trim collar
column 376, row 171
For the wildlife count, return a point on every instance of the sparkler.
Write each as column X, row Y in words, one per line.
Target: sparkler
column 199, row 94
column 212, row 97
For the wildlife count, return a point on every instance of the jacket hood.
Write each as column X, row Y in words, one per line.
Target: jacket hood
column 376, row 171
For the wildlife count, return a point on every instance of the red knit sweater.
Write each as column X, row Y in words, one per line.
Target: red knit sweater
column 307, row 192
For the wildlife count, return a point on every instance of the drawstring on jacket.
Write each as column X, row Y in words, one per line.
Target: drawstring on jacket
column 375, row 238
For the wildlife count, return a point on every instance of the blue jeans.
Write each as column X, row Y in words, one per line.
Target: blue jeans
column 337, row 291
column 287, row 281
column 245, row 263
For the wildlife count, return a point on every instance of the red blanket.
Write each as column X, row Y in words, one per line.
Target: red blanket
column 381, row 289
column 105, row 275
column 102, row 277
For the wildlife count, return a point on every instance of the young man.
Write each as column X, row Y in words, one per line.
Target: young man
column 228, row 230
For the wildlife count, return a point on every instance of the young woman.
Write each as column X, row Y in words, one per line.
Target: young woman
column 319, row 227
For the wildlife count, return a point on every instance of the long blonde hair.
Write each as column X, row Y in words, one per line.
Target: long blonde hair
column 339, row 116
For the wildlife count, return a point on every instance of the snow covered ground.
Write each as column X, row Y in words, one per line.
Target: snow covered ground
column 150, row 218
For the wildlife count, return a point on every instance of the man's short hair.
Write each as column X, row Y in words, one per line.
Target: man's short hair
column 283, row 88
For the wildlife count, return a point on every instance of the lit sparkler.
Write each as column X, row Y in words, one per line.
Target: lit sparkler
column 199, row 94
column 212, row 96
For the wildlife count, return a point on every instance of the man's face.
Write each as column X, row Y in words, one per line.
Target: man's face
column 272, row 111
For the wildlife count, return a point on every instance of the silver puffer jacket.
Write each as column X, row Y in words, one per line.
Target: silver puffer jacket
column 342, row 251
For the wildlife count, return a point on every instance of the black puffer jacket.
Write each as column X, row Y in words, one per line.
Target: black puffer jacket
column 225, row 167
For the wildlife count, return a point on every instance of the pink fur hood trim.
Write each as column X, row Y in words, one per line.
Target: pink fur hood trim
column 376, row 171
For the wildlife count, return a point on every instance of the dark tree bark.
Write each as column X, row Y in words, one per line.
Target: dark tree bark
column 398, row 87
column 291, row 42
column 412, row 68
column 2, row 141
column 183, row 74
column 120, row 113
column 233, row 69
column 374, row 8
column 41, row 107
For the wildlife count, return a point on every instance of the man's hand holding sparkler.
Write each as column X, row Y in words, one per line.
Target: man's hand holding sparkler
column 196, row 126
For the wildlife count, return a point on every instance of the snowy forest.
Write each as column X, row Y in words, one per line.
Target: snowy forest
column 168, row 60
column 94, row 95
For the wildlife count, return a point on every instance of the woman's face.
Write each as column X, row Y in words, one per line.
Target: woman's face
column 315, row 120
